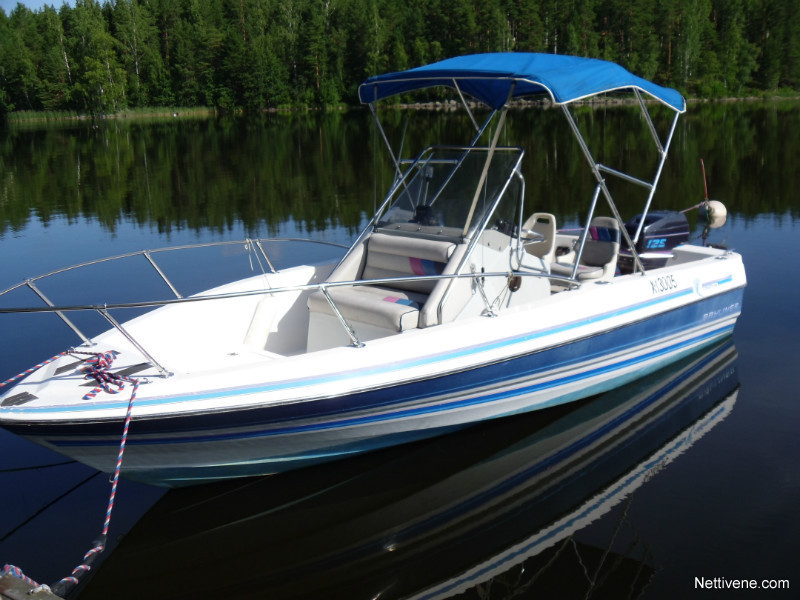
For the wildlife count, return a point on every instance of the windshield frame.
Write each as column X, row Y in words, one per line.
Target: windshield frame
column 432, row 197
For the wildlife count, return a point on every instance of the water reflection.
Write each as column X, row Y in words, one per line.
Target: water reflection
column 195, row 174
column 324, row 170
column 488, row 512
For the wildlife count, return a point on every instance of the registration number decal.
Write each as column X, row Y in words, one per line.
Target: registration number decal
column 660, row 285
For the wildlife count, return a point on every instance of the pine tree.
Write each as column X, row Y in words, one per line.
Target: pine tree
column 19, row 73
column 99, row 78
column 134, row 28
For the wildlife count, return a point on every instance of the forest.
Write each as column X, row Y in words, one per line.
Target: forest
column 89, row 57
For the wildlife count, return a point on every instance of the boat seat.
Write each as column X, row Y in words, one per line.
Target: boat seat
column 545, row 225
column 394, row 306
column 600, row 252
column 382, row 307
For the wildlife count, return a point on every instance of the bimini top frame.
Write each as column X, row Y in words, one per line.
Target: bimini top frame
column 497, row 78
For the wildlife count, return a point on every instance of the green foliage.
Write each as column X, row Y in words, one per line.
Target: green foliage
column 99, row 57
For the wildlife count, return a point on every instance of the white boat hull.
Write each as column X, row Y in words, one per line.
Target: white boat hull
column 230, row 410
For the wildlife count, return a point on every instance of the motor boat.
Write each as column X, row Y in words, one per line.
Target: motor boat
column 456, row 304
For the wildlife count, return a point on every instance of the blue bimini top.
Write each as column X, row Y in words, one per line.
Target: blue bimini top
column 490, row 77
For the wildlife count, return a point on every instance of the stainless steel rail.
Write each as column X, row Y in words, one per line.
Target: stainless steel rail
column 258, row 242
column 102, row 309
column 278, row 290
column 323, row 287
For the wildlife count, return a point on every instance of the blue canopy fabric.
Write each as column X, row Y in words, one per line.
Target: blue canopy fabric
column 489, row 77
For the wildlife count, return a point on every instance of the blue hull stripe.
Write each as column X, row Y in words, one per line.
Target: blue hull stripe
column 642, row 443
column 420, row 410
column 456, row 404
column 394, row 367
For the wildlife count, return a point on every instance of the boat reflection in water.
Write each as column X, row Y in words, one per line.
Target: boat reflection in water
column 489, row 510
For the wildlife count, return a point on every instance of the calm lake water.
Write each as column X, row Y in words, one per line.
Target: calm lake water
column 700, row 480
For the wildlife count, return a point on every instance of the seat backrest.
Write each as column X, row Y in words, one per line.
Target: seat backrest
column 402, row 256
column 602, row 243
column 545, row 225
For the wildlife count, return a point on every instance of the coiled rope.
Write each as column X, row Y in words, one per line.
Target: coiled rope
column 96, row 367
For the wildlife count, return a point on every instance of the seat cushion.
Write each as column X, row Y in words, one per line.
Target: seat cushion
column 405, row 256
column 389, row 308
column 584, row 271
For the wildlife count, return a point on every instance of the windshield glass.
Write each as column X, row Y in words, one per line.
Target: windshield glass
column 439, row 190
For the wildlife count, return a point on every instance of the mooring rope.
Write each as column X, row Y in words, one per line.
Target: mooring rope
column 36, row 367
column 97, row 367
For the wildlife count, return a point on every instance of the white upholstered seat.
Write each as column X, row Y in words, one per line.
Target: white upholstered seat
column 395, row 305
column 599, row 258
column 543, row 224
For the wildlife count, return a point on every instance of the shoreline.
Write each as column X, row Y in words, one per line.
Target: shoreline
column 25, row 117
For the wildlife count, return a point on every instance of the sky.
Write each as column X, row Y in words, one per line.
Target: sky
column 9, row 5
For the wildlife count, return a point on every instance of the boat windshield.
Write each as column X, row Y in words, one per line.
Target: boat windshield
column 445, row 192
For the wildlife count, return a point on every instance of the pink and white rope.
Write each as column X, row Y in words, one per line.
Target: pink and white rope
column 98, row 368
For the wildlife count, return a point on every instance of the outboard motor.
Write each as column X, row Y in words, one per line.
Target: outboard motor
column 662, row 231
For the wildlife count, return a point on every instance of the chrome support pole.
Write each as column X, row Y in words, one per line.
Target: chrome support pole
column 585, row 233
column 649, row 120
column 353, row 337
column 604, row 188
column 400, row 176
column 250, row 246
column 483, row 128
column 488, row 162
column 466, row 106
column 162, row 371
column 161, row 273
column 663, row 151
column 520, row 250
column 395, row 161
column 473, row 241
column 266, row 258
column 490, row 312
column 63, row 317
column 625, row 176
